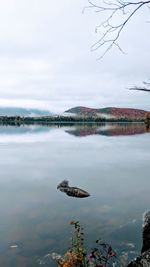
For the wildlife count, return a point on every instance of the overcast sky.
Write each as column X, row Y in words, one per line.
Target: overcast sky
column 46, row 62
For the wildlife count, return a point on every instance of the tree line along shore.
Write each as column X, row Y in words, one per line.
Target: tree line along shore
column 19, row 120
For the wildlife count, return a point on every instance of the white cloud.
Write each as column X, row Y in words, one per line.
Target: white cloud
column 45, row 58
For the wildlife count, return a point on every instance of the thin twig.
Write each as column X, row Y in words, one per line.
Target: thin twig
column 111, row 32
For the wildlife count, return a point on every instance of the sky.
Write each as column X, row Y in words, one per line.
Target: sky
column 46, row 60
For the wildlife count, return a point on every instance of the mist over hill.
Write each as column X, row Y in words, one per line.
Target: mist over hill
column 14, row 111
column 108, row 111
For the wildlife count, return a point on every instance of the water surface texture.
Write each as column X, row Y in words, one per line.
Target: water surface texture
column 111, row 162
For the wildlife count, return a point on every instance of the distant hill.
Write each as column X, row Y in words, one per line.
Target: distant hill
column 108, row 111
column 12, row 111
column 82, row 111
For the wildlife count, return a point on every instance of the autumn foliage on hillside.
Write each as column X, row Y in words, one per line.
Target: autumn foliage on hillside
column 111, row 111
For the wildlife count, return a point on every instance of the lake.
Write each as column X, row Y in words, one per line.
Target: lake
column 110, row 161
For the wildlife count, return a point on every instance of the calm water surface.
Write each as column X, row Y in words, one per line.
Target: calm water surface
column 111, row 162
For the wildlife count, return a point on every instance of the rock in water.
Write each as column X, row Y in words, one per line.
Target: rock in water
column 146, row 232
column 72, row 191
column 63, row 184
column 143, row 260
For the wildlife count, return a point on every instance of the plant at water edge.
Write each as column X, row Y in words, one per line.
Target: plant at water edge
column 102, row 255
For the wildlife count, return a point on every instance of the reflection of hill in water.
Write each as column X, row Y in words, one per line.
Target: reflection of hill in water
column 24, row 134
column 13, row 130
column 79, row 130
column 109, row 129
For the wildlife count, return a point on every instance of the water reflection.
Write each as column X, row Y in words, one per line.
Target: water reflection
column 114, row 129
column 34, row 216
column 35, row 133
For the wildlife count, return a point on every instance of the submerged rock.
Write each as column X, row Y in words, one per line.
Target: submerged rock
column 143, row 260
column 72, row 191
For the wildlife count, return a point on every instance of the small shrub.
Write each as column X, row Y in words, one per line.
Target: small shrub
column 102, row 255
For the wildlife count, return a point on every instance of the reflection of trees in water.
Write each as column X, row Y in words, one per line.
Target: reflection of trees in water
column 109, row 129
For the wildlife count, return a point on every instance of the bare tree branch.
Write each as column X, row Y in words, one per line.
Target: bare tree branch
column 145, row 88
column 113, row 10
column 140, row 89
